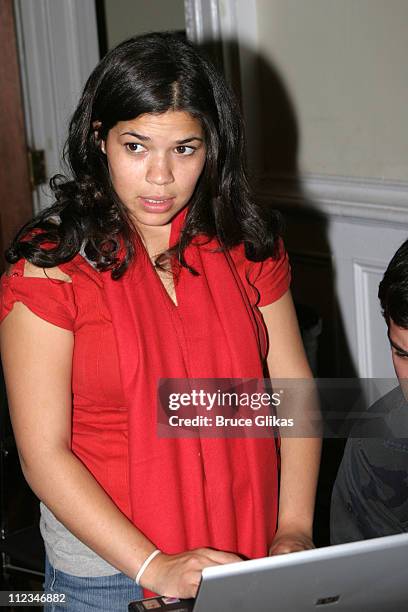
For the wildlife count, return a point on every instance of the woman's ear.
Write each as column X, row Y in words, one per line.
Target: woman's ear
column 96, row 127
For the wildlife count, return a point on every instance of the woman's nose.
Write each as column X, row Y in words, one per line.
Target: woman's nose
column 159, row 172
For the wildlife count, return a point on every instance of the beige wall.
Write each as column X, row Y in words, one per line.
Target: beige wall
column 125, row 18
column 345, row 66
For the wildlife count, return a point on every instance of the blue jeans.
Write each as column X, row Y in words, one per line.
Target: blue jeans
column 90, row 594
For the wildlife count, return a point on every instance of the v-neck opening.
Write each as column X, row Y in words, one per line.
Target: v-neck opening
column 173, row 304
column 175, row 229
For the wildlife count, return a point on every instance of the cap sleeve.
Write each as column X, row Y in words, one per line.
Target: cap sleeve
column 267, row 280
column 48, row 298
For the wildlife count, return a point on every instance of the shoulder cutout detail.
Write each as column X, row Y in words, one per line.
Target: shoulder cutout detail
column 31, row 271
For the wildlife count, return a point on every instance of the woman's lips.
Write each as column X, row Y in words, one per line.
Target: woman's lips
column 157, row 205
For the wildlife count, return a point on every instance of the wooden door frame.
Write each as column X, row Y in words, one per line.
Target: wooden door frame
column 15, row 189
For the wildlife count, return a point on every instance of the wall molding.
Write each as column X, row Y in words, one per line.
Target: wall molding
column 362, row 270
column 369, row 200
column 230, row 28
column 202, row 20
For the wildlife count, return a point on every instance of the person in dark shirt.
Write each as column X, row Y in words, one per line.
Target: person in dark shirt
column 370, row 494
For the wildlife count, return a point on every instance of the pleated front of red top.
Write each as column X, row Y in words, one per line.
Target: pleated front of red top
column 192, row 492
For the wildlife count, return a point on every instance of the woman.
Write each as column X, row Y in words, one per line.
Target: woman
column 153, row 263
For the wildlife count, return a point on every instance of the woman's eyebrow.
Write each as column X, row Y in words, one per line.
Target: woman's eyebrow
column 136, row 135
column 145, row 138
column 185, row 140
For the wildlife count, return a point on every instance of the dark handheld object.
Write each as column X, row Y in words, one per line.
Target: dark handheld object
column 162, row 603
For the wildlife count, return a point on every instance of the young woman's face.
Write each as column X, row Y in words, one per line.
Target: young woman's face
column 155, row 162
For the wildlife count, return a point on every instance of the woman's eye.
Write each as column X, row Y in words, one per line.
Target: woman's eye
column 184, row 150
column 401, row 355
column 134, row 147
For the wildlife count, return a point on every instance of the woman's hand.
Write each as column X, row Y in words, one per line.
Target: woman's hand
column 290, row 541
column 179, row 575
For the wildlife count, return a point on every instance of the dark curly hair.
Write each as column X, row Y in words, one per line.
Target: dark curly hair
column 393, row 289
column 152, row 73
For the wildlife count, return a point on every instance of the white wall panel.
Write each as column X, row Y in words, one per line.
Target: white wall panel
column 373, row 347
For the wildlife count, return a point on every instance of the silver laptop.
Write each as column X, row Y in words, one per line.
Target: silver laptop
column 368, row 576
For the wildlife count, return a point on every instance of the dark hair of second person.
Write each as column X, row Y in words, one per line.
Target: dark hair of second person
column 393, row 289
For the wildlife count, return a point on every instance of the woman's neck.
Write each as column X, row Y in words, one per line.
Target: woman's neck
column 156, row 239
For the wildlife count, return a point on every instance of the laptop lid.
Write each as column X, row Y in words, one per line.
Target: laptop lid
column 360, row 576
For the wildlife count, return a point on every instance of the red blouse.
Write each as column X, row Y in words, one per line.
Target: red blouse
column 99, row 421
